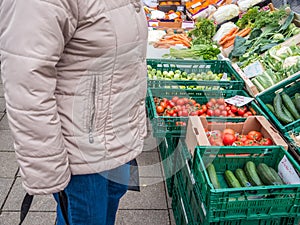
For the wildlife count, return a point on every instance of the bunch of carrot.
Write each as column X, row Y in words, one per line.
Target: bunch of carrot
column 228, row 39
column 170, row 40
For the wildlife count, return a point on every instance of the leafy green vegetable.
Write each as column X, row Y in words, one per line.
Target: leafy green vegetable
column 256, row 18
column 287, row 22
column 200, row 52
column 203, row 32
column 239, row 47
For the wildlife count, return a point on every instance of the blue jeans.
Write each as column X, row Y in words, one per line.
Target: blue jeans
column 93, row 199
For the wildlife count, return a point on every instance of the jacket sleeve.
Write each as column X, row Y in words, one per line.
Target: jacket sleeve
column 33, row 36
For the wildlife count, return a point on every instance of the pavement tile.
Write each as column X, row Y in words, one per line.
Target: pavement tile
column 5, row 185
column 1, row 90
column 45, row 203
column 138, row 217
column 8, row 165
column 172, row 219
column 150, row 144
column 6, row 141
column 150, row 197
column 149, row 164
column 33, row 218
column 4, row 122
column 2, row 105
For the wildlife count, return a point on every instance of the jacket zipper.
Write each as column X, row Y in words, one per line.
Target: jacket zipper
column 91, row 122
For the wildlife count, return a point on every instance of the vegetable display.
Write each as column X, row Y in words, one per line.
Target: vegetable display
column 279, row 62
column 202, row 47
column 177, row 107
column 284, row 108
column 229, row 137
column 250, row 176
column 155, row 74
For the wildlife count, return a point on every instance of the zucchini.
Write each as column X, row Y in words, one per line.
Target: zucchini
column 265, row 174
column 277, row 103
column 231, row 179
column 271, row 108
column 287, row 101
column 287, row 113
column 242, row 178
column 277, row 177
column 250, row 171
column 213, row 176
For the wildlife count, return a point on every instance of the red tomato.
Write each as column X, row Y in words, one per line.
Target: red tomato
column 174, row 99
column 210, row 112
column 163, row 104
column 221, row 101
column 180, row 101
column 242, row 138
column 160, row 109
column 233, row 108
column 192, row 101
column 224, row 113
column 185, row 112
column 213, row 100
column 170, row 112
column 228, row 131
column 228, row 139
column 254, row 135
column 179, row 113
column 185, row 100
column 204, row 107
column 217, row 112
column 238, row 143
column 266, row 141
column 209, row 105
column 241, row 110
column 249, row 142
column 222, row 107
column 171, row 103
column 197, row 105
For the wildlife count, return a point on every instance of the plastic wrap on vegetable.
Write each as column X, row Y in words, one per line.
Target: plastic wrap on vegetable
column 246, row 4
column 226, row 12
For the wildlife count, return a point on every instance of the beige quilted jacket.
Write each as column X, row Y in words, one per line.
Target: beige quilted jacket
column 74, row 77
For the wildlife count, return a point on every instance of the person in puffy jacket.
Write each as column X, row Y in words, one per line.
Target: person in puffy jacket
column 74, row 75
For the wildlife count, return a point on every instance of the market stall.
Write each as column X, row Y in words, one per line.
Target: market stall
column 223, row 100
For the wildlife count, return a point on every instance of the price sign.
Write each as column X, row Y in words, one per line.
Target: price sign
column 173, row 16
column 239, row 100
column 287, row 172
column 254, row 69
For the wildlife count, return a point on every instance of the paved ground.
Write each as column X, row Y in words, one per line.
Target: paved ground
column 149, row 207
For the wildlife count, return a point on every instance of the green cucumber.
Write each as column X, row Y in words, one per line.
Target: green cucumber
column 265, row 174
column 271, row 108
column 231, row 180
column 242, row 178
column 275, row 174
column 287, row 113
column 297, row 101
column 213, row 176
column 277, row 103
column 287, row 101
column 250, row 171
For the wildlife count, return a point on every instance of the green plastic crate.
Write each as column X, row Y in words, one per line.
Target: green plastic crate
column 256, row 202
column 290, row 86
column 292, row 143
column 181, row 209
column 164, row 125
column 174, row 154
column 189, row 211
column 193, row 66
